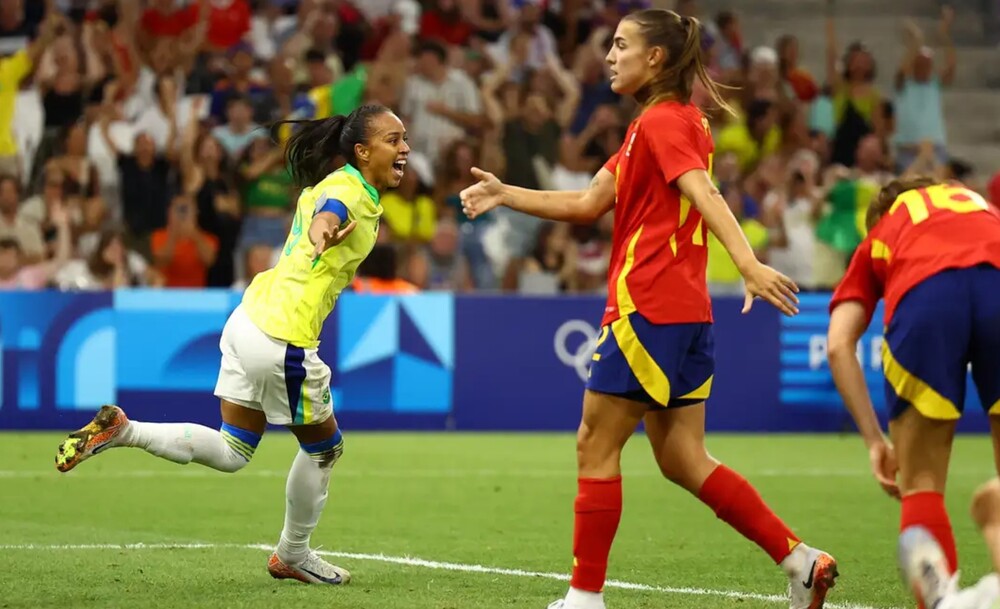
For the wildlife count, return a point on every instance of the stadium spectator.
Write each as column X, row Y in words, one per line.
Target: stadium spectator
column 791, row 212
column 267, row 193
column 14, row 69
column 441, row 265
column 536, row 37
column 128, row 102
column 239, row 130
column 550, row 268
column 205, row 176
column 256, row 259
column 14, row 224
column 729, row 44
column 109, row 266
column 856, row 102
column 801, row 83
column 439, row 102
column 409, row 212
column 918, row 110
column 379, row 273
column 17, row 273
column 184, row 253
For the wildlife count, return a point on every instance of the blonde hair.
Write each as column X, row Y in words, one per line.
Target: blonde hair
column 680, row 38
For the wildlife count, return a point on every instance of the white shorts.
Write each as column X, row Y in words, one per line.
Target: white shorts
column 291, row 385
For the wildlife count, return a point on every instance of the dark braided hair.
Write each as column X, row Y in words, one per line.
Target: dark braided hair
column 316, row 144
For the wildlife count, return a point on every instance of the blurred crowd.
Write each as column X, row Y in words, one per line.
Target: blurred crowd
column 135, row 148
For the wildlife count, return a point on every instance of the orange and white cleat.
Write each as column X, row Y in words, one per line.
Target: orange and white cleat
column 312, row 570
column 92, row 438
column 808, row 589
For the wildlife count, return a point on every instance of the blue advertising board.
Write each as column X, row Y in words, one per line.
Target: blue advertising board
column 422, row 361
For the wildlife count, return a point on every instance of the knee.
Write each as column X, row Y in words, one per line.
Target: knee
column 241, row 444
column 687, row 467
column 986, row 503
column 326, row 453
column 595, row 454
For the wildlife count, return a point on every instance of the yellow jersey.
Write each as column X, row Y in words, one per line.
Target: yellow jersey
column 13, row 70
column 291, row 301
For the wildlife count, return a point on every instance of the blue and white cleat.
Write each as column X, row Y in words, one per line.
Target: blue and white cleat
column 924, row 568
column 312, row 570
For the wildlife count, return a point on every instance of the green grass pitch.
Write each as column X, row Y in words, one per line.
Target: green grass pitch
column 502, row 501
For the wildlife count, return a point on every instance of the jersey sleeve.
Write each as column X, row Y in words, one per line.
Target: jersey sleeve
column 860, row 283
column 675, row 145
column 612, row 163
column 337, row 197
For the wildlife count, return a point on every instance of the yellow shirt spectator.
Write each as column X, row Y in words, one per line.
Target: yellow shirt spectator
column 13, row 69
column 721, row 269
column 416, row 220
column 736, row 138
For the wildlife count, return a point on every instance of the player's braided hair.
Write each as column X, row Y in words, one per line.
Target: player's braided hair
column 890, row 192
column 680, row 38
column 316, row 145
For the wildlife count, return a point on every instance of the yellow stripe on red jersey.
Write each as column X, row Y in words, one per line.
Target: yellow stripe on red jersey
column 658, row 253
column 926, row 231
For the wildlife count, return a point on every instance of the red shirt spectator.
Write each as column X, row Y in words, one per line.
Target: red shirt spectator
column 228, row 22
column 183, row 253
column 445, row 23
column 164, row 19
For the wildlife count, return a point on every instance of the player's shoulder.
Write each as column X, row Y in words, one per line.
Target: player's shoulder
column 674, row 112
column 339, row 185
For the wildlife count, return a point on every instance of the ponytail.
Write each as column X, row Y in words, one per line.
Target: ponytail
column 315, row 145
column 680, row 38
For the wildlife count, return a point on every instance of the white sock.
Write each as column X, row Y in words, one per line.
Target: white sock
column 796, row 562
column 305, row 497
column 581, row 599
column 226, row 451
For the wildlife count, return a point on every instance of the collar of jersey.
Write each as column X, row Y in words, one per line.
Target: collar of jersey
column 352, row 171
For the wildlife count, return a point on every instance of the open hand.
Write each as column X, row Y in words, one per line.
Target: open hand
column 764, row 282
column 325, row 237
column 882, row 457
column 482, row 196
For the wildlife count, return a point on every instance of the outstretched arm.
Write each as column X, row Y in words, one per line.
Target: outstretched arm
column 579, row 206
column 761, row 280
column 847, row 323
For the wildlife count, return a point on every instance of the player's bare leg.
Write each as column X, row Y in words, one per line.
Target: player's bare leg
column 677, row 436
column 227, row 449
column 986, row 514
column 306, row 492
column 925, row 568
column 606, row 425
column 923, row 450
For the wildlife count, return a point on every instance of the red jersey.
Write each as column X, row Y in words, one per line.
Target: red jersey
column 658, row 250
column 926, row 231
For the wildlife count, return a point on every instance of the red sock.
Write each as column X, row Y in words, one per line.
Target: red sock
column 927, row 510
column 598, row 510
column 741, row 506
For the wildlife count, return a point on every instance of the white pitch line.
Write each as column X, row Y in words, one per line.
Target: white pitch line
column 435, row 565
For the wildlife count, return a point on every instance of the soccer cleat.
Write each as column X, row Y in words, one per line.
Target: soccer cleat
column 924, row 567
column 984, row 595
column 808, row 589
column 564, row 604
column 92, row 438
column 312, row 570
column 576, row 599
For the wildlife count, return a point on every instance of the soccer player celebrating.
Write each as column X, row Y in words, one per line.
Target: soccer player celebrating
column 933, row 253
column 270, row 370
column 654, row 360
